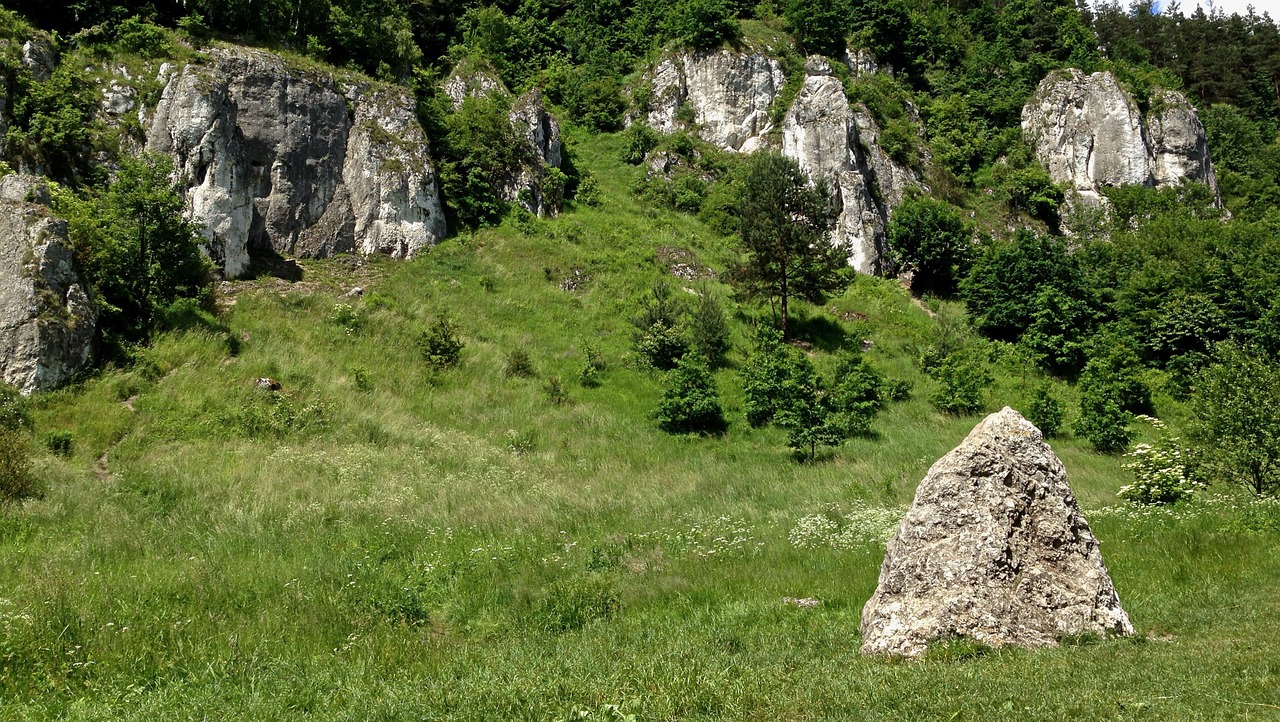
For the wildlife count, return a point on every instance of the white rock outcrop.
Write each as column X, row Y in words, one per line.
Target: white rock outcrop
column 728, row 95
column 821, row 133
column 994, row 549
column 291, row 161
column 46, row 318
column 1089, row 134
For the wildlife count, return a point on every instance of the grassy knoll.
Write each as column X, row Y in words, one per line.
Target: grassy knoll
column 384, row 541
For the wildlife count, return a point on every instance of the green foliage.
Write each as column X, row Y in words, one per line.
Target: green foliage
column 805, row 410
column 690, row 403
column 1046, row 411
column 857, row 393
column 60, row 443
column 1059, row 325
column 1006, row 279
column 52, row 123
column 1029, row 189
column 1235, row 428
column 15, row 411
column 818, row 25
column 709, row 329
column 784, row 222
column 1186, row 324
column 441, row 345
column 557, row 393
column 640, row 140
column 963, row 379
column 592, row 366
column 16, row 479
column 1111, row 392
column 763, row 376
column 480, row 154
column 660, row 336
column 519, row 365
column 138, row 252
column 143, row 38
column 927, row 238
column 702, row 24
column 1159, row 470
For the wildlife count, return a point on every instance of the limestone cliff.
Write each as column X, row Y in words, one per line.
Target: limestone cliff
column 294, row 161
column 1089, row 134
column 725, row 96
column 46, row 319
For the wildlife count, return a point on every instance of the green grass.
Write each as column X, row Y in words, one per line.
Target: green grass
column 451, row 545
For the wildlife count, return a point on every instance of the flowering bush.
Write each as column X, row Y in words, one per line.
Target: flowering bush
column 1160, row 473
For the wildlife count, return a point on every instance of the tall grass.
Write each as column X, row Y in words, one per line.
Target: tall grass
column 383, row 540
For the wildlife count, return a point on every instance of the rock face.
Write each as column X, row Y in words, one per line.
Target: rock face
column 531, row 184
column 1088, row 133
column 290, row 161
column 821, row 133
column 726, row 96
column 46, row 319
column 995, row 549
column 729, row 94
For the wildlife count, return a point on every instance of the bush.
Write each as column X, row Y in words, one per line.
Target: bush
column 709, row 329
column 1046, row 412
column 1002, row 286
column 857, row 395
column 964, row 378
column 660, row 334
column 690, row 403
column 13, row 409
column 1102, row 422
column 440, row 345
column 1235, row 429
column 555, row 390
column 1159, row 470
column 928, row 237
column 519, row 364
column 640, row 140
column 591, row 368
column 702, row 24
column 763, row 377
column 16, row 481
column 60, row 443
column 805, row 408
column 480, row 155
column 819, row 25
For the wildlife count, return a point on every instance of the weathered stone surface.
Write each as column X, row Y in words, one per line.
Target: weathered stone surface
column 728, row 92
column 46, row 319
column 995, row 549
column 1089, row 134
column 821, row 134
column 38, row 58
column 287, row 160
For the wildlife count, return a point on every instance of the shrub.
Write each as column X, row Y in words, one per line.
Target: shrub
column 13, row 409
column 16, row 481
column 346, row 316
column 857, row 394
column 1159, row 470
column 709, row 329
column 480, row 154
column 963, row 379
column 805, row 409
column 763, row 376
column 60, row 443
column 440, row 345
column 1001, row 288
column 591, row 368
column 555, row 390
column 1046, row 411
column 660, row 335
column 1102, row 421
column 928, row 237
column 690, row 403
column 896, row 390
column 588, row 191
column 135, row 35
column 702, row 24
column 640, row 139
column 519, row 364
column 1058, row 327
column 360, row 376
column 819, row 25
column 1116, row 373
column 1235, row 429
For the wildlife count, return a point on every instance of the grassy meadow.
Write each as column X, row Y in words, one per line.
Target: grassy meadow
column 384, row 541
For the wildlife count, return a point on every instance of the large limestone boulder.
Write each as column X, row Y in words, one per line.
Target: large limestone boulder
column 1088, row 133
column 46, row 319
column 295, row 162
column 728, row 93
column 995, row 549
